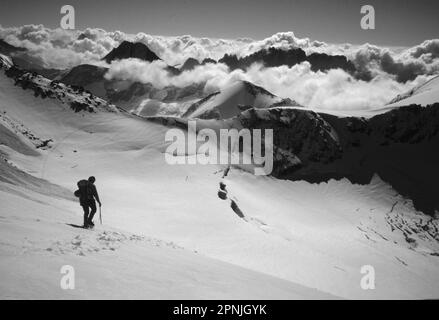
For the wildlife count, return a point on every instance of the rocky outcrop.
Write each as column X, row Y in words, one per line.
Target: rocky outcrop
column 300, row 137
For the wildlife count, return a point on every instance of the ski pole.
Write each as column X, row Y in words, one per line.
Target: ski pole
column 100, row 214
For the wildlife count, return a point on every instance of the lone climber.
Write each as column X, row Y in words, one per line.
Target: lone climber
column 87, row 194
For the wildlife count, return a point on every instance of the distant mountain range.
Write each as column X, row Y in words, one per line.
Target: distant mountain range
column 271, row 57
column 275, row 57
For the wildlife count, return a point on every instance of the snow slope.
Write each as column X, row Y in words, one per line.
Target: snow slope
column 425, row 94
column 37, row 240
column 232, row 100
column 305, row 235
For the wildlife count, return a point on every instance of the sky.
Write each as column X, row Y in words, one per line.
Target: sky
column 398, row 22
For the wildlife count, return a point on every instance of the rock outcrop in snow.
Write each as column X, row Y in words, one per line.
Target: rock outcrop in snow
column 75, row 97
column 401, row 146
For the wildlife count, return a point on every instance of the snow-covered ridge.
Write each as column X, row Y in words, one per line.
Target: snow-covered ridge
column 234, row 99
column 424, row 94
column 75, row 97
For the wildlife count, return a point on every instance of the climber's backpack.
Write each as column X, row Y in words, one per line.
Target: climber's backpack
column 83, row 189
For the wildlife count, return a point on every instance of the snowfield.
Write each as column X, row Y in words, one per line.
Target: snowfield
column 113, row 264
column 425, row 94
column 189, row 231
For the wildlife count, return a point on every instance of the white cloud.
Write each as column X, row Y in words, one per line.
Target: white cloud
column 334, row 89
column 382, row 72
column 58, row 48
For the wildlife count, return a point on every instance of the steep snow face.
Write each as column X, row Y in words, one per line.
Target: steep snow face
column 425, row 94
column 309, row 235
column 234, row 99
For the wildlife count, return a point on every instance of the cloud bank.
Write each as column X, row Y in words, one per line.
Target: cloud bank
column 334, row 89
column 381, row 73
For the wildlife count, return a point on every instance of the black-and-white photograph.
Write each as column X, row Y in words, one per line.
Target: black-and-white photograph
column 219, row 150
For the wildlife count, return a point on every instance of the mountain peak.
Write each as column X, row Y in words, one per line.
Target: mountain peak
column 190, row 64
column 232, row 100
column 131, row 50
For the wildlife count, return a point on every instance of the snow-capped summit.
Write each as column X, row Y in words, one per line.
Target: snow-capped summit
column 425, row 94
column 233, row 99
column 131, row 50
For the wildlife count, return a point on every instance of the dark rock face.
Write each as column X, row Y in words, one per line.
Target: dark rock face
column 80, row 106
column 275, row 57
column 300, row 137
column 189, row 64
column 131, row 50
column 208, row 60
column 400, row 146
column 323, row 62
column 84, row 74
